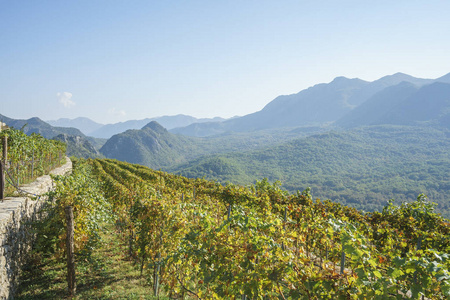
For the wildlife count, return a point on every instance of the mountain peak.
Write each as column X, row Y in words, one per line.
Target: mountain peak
column 34, row 121
column 340, row 79
column 345, row 82
column 397, row 77
column 155, row 126
column 394, row 79
column 400, row 74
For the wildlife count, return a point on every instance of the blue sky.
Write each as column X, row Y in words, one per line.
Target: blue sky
column 118, row 60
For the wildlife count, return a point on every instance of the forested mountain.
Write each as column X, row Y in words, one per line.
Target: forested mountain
column 169, row 122
column 317, row 105
column 78, row 146
column 155, row 147
column 36, row 125
column 152, row 146
column 362, row 168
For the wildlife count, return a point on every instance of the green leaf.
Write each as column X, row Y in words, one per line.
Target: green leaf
column 396, row 273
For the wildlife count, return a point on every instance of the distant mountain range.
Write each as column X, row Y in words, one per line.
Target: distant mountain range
column 317, row 105
column 91, row 128
column 340, row 102
column 401, row 104
column 36, row 125
column 85, row 125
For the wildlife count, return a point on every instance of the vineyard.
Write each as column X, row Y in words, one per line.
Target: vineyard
column 25, row 157
column 197, row 239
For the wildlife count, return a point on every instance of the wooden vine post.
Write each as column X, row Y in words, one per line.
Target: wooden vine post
column 2, row 182
column 342, row 262
column 284, row 227
column 70, row 249
column 3, row 167
column 157, row 269
column 32, row 166
column 229, row 215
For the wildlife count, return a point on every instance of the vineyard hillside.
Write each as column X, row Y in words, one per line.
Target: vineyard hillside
column 197, row 239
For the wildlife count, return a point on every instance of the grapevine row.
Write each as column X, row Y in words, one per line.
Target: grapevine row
column 200, row 238
column 28, row 157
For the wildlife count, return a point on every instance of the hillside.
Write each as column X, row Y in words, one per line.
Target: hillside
column 362, row 168
column 230, row 240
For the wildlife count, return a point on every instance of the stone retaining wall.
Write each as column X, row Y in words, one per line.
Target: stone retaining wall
column 16, row 235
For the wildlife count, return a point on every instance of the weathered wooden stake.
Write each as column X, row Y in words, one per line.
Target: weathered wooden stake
column 17, row 173
column 157, row 270
column 156, row 275
column 3, row 168
column 70, row 252
column 342, row 262
column 130, row 242
column 419, row 243
column 142, row 263
column 229, row 215
column 32, row 166
column 2, row 182
column 5, row 149
column 284, row 226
